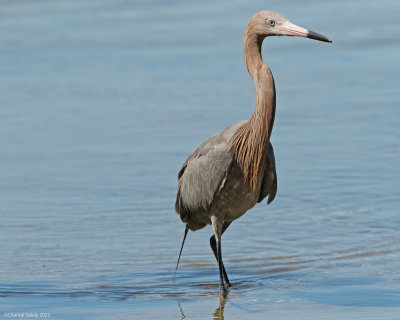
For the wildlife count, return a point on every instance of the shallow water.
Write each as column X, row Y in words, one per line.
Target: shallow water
column 101, row 102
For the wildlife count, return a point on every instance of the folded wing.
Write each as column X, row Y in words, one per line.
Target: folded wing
column 204, row 172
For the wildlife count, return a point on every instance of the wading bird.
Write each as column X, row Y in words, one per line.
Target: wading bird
column 233, row 170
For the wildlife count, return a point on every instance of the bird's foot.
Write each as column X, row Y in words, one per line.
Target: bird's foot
column 223, row 290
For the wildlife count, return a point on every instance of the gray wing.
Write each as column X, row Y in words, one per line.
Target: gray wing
column 270, row 181
column 204, row 172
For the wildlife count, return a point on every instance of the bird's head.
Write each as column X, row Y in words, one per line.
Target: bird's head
column 270, row 23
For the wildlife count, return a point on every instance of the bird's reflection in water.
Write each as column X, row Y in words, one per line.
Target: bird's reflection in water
column 217, row 315
column 219, row 312
column 181, row 311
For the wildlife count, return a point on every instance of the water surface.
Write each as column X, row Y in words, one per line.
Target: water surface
column 101, row 102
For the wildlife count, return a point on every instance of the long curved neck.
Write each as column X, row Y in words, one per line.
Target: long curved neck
column 263, row 80
column 251, row 141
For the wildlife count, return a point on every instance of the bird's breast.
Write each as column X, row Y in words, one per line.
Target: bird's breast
column 234, row 197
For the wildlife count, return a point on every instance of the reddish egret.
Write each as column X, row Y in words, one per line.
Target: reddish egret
column 233, row 170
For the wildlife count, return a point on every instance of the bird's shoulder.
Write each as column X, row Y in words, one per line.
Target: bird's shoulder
column 217, row 143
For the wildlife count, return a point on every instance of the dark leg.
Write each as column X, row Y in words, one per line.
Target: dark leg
column 217, row 226
column 213, row 244
column 223, row 291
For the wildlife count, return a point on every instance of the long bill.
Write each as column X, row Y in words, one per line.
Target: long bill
column 291, row 29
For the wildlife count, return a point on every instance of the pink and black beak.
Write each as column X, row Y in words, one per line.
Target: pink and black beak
column 290, row 29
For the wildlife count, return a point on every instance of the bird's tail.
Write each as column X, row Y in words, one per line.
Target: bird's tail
column 180, row 252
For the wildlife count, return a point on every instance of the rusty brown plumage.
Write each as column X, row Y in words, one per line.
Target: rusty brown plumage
column 251, row 141
column 249, row 147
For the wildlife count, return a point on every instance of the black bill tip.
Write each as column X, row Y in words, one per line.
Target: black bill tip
column 317, row 36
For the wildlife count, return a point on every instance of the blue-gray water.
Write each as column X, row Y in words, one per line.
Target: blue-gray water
column 102, row 101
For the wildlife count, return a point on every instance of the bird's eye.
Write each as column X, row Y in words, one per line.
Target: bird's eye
column 271, row 22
